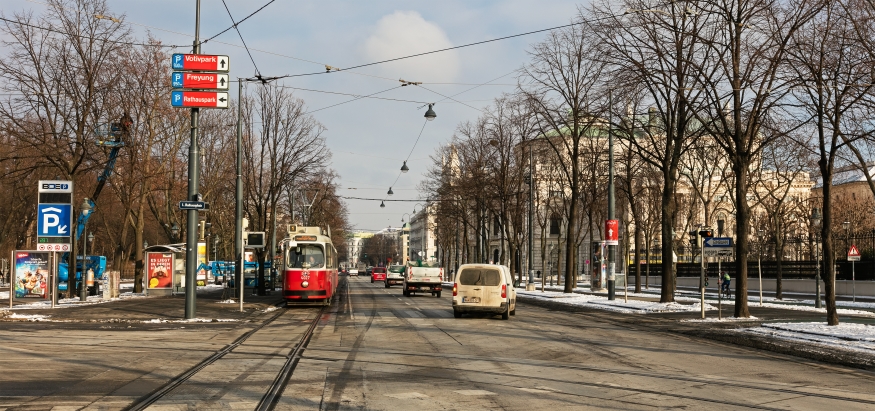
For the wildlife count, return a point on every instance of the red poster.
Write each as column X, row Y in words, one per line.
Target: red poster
column 159, row 270
column 612, row 228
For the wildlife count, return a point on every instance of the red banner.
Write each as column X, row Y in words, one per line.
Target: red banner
column 612, row 228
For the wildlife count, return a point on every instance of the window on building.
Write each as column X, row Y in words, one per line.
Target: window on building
column 496, row 225
column 554, row 225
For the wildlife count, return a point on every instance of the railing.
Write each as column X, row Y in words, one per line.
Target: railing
column 863, row 270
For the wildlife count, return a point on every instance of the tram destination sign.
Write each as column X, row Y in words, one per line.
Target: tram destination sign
column 181, row 79
column 203, row 99
column 201, row 62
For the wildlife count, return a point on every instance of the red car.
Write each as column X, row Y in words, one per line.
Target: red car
column 378, row 274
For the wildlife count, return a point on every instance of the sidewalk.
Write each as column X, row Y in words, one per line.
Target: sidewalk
column 131, row 307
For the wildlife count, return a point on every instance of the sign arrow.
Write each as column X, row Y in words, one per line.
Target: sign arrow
column 222, row 63
column 62, row 229
column 223, row 99
column 222, row 81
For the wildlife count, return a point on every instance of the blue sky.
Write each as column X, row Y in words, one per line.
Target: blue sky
column 369, row 138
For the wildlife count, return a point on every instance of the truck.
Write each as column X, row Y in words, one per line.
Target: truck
column 423, row 279
column 395, row 275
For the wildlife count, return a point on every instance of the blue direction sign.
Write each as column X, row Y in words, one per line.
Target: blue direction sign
column 718, row 242
column 193, row 205
column 53, row 220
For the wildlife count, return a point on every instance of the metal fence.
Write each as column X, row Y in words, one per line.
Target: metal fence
column 862, row 270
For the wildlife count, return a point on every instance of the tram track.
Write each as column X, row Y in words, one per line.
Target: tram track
column 268, row 401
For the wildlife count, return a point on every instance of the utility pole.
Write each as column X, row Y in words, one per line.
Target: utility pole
column 238, row 209
column 193, row 189
column 612, row 248
column 530, row 285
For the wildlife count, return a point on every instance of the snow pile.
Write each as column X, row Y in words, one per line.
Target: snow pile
column 32, row 317
column 858, row 337
column 619, row 305
column 192, row 320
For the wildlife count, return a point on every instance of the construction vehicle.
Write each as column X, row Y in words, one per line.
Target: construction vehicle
column 117, row 131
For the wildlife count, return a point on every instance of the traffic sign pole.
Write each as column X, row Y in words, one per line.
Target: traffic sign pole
column 193, row 184
column 853, row 257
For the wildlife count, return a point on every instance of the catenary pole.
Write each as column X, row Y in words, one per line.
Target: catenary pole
column 238, row 211
column 612, row 249
column 193, row 189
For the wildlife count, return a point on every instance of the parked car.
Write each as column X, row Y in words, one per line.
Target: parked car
column 484, row 288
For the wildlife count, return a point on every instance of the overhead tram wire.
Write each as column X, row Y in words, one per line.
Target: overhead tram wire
column 234, row 26
column 349, row 101
column 237, row 28
column 124, row 43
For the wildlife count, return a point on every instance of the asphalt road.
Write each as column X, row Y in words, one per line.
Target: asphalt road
column 376, row 349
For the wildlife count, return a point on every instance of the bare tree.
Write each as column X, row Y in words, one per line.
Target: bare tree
column 744, row 91
column 829, row 63
column 654, row 52
column 561, row 85
column 281, row 144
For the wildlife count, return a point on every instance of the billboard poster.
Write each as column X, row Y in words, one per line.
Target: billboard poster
column 159, row 270
column 31, row 274
column 201, row 264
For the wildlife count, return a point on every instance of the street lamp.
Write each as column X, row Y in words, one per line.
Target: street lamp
column 382, row 204
column 430, row 114
column 404, row 168
column 174, row 231
column 390, row 191
column 83, row 292
column 816, row 219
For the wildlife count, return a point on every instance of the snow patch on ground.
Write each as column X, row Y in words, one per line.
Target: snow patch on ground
column 618, row 305
column 192, row 320
column 30, row 317
column 857, row 337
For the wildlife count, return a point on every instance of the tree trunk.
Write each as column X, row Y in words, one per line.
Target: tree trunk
column 570, row 255
column 668, row 275
column 637, row 253
column 832, row 317
column 742, row 229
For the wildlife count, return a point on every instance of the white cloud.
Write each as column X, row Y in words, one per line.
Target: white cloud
column 404, row 33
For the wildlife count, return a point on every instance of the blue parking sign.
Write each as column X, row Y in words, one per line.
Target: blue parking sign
column 54, row 220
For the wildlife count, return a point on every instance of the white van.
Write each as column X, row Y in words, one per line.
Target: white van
column 484, row 288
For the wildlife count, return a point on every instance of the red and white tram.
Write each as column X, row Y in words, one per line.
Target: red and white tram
column 310, row 271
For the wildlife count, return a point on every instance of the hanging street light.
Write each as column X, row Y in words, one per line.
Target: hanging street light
column 174, row 231
column 382, row 204
column 404, row 168
column 430, row 114
column 390, row 191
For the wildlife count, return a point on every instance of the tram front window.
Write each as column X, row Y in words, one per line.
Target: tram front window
column 306, row 256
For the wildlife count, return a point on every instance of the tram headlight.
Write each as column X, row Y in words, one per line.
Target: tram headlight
column 305, row 284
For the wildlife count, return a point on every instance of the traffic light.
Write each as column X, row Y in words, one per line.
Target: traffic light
column 694, row 237
column 706, row 232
